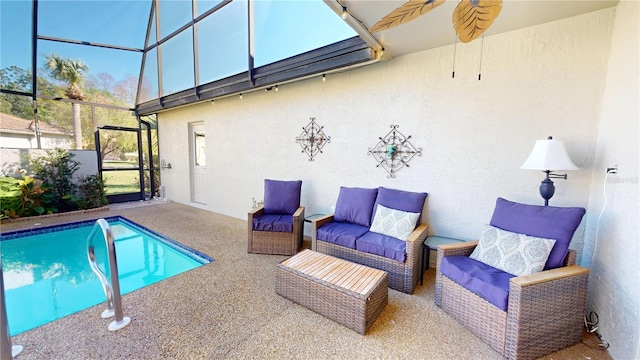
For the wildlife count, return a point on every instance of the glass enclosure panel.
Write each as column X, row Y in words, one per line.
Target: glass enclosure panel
column 121, row 23
column 148, row 194
column 223, row 42
column 145, row 148
column 153, row 130
column 147, row 156
column 16, row 114
column 17, row 106
column 287, row 28
column 155, row 163
column 152, row 34
column 149, row 87
column 177, row 63
column 114, row 117
column 15, row 45
column 57, row 116
column 121, row 181
column 111, row 77
column 204, row 5
column 56, row 113
column 173, row 15
column 119, row 149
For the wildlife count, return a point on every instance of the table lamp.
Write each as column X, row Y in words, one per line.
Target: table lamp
column 549, row 155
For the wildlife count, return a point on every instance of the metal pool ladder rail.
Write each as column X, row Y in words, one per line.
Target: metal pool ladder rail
column 7, row 351
column 112, row 291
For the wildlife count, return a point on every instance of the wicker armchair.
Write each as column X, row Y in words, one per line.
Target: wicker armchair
column 275, row 242
column 544, row 310
column 277, row 227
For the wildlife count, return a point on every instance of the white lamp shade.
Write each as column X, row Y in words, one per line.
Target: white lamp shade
column 549, row 155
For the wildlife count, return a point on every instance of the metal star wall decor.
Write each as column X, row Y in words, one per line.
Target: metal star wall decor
column 394, row 151
column 312, row 139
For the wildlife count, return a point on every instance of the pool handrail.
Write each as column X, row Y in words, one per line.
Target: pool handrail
column 7, row 351
column 112, row 291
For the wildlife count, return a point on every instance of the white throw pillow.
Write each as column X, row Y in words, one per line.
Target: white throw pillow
column 395, row 223
column 517, row 254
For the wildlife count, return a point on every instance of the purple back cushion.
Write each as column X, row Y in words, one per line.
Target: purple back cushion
column 542, row 221
column 281, row 197
column 355, row 205
column 401, row 200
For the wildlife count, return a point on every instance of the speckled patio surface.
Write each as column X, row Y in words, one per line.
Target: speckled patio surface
column 229, row 309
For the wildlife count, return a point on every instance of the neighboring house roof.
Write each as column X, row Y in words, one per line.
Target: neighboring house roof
column 16, row 125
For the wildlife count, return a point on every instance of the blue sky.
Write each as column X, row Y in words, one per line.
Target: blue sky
column 283, row 28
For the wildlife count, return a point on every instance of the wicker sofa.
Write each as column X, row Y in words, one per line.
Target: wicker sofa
column 346, row 233
column 543, row 311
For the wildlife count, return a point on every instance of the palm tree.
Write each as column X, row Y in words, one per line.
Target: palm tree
column 72, row 72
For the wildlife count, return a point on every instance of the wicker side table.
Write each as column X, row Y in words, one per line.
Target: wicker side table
column 350, row 294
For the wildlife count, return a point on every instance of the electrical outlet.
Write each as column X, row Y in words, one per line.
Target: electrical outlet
column 612, row 170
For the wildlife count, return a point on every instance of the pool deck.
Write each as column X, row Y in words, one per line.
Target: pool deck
column 228, row 309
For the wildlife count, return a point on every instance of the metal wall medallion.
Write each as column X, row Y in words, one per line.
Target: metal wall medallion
column 394, row 151
column 312, row 139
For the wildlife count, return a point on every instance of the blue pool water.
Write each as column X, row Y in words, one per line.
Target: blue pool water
column 47, row 274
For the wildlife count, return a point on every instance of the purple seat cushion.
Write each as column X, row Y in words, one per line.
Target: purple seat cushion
column 400, row 200
column 383, row 245
column 343, row 234
column 547, row 222
column 355, row 205
column 281, row 197
column 271, row 222
column 481, row 279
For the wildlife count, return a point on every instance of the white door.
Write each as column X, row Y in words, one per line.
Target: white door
column 198, row 164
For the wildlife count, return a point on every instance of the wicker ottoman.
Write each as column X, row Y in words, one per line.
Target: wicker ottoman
column 350, row 294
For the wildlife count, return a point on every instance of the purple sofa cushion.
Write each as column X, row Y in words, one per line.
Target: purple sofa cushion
column 483, row 280
column 547, row 222
column 355, row 205
column 281, row 197
column 343, row 234
column 383, row 245
column 400, row 200
column 271, row 222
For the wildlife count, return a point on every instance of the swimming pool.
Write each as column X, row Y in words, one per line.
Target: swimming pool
column 47, row 274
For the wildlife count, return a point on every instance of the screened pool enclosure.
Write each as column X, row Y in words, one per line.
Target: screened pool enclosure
column 92, row 75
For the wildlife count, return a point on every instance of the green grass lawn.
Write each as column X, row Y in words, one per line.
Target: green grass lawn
column 118, row 164
column 121, row 182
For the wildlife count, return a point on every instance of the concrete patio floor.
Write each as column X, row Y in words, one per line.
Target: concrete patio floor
column 228, row 309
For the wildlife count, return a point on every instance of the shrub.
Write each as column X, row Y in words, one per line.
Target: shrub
column 91, row 192
column 56, row 169
column 24, row 197
column 9, row 196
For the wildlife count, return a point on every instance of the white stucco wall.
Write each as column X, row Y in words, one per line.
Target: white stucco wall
column 614, row 288
column 474, row 135
column 544, row 80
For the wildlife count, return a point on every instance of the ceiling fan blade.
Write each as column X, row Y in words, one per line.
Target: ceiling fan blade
column 472, row 17
column 405, row 13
